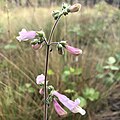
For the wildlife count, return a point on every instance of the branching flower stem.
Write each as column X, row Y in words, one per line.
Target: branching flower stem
column 48, row 43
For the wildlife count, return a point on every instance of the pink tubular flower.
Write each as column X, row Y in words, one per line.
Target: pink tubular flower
column 40, row 79
column 41, row 91
column 73, row 106
column 72, row 50
column 75, row 8
column 37, row 46
column 60, row 111
column 26, row 35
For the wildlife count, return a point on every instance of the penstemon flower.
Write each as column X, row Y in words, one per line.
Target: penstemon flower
column 73, row 106
column 73, row 50
column 41, row 91
column 40, row 79
column 37, row 46
column 74, row 8
column 60, row 111
column 26, row 35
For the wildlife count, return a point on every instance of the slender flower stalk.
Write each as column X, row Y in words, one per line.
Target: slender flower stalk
column 45, row 83
column 46, row 65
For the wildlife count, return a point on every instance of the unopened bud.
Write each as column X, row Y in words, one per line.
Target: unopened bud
column 56, row 14
column 74, row 8
column 41, row 91
column 36, row 46
column 60, row 49
column 34, row 42
column 41, row 33
column 63, row 43
column 65, row 5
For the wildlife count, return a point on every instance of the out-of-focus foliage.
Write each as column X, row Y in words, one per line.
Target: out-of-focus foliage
column 110, row 72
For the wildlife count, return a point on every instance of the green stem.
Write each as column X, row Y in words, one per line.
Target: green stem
column 46, row 65
column 45, row 85
column 53, row 29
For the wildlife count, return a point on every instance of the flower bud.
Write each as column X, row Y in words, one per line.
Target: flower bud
column 60, row 49
column 65, row 5
column 56, row 14
column 41, row 33
column 74, row 8
column 63, row 43
column 34, row 42
column 41, row 91
column 36, row 46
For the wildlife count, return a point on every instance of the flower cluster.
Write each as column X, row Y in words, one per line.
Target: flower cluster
column 65, row 10
column 73, row 106
column 37, row 39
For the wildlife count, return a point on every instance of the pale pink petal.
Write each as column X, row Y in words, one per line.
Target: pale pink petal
column 41, row 91
column 78, row 109
column 73, row 50
column 60, row 111
column 66, row 101
column 40, row 79
column 73, row 106
column 26, row 35
column 75, row 8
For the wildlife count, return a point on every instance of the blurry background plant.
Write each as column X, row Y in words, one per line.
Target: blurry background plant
column 96, row 76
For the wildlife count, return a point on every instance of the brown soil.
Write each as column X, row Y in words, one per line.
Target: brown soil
column 113, row 107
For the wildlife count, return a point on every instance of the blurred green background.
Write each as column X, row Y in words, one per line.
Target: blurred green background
column 93, row 77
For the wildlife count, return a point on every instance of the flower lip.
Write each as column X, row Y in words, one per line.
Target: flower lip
column 26, row 35
column 78, row 109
